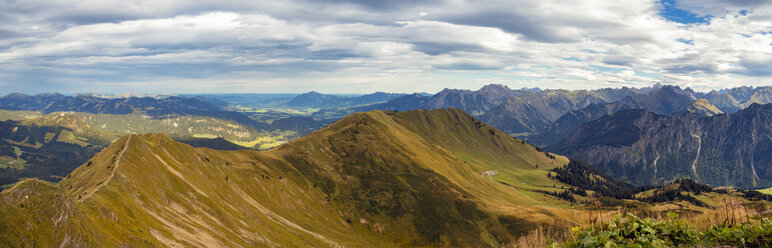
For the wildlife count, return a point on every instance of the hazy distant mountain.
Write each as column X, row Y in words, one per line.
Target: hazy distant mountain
column 315, row 99
column 54, row 102
column 153, row 107
column 18, row 101
column 374, row 98
column 665, row 100
column 126, row 95
column 534, row 111
column 404, row 103
column 643, row 147
column 473, row 102
column 735, row 99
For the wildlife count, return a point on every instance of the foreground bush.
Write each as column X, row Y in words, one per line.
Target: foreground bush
column 671, row 232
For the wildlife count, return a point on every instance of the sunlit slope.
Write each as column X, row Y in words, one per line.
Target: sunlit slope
column 200, row 197
column 88, row 124
column 371, row 179
column 702, row 106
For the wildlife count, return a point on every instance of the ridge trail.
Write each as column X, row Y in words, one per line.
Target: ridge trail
column 115, row 168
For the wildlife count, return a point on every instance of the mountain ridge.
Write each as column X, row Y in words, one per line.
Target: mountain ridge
column 381, row 177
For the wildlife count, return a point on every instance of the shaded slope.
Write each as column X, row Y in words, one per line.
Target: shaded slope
column 217, row 143
column 645, row 148
column 48, row 153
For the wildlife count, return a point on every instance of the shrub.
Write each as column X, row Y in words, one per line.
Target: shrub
column 671, row 232
column 636, row 232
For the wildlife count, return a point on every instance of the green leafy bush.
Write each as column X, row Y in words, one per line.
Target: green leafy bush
column 745, row 235
column 636, row 232
column 671, row 232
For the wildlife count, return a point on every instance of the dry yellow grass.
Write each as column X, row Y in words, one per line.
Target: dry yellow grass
column 542, row 236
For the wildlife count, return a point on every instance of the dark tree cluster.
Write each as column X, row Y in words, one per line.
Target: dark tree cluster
column 667, row 195
column 578, row 191
column 565, row 195
column 689, row 185
column 747, row 194
column 582, row 176
column 585, row 177
column 756, row 196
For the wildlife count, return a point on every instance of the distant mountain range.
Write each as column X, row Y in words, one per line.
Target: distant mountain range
column 166, row 107
column 547, row 116
column 735, row 99
column 154, row 107
column 512, row 111
column 315, row 99
column 664, row 100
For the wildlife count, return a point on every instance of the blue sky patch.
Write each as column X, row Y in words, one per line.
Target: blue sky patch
column 685, row 41
column 671, row 12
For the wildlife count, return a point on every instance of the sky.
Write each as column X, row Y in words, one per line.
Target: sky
column 362, row 46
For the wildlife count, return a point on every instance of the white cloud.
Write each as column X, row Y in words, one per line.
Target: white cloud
column 354, row 46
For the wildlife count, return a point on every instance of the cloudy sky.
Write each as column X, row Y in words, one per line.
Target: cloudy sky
column 361, row 46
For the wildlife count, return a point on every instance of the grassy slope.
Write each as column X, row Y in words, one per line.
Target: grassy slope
column 767, row 191
column 372, row 179
column 704, row 107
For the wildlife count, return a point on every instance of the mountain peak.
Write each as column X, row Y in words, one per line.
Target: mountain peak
column 49, row 94
column 312, row 93
column 494, row 88
column 15, row 95
column 99, row 171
